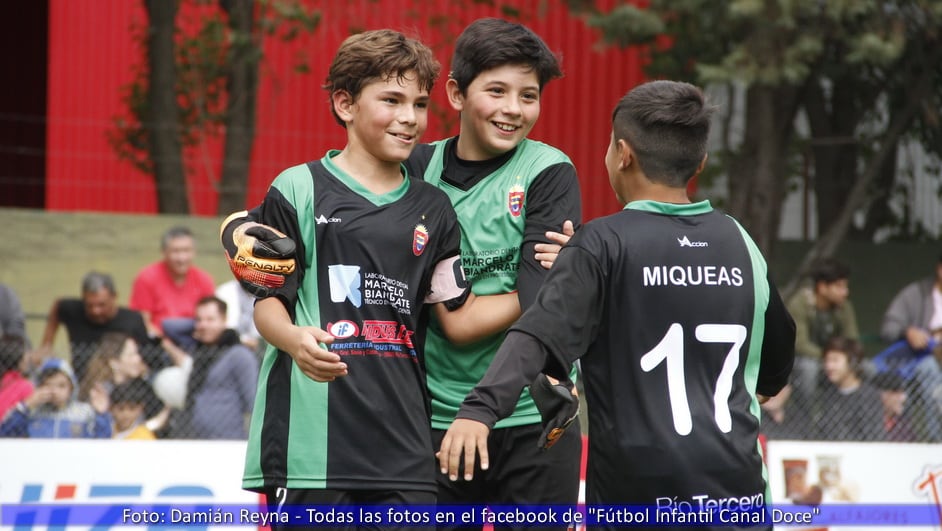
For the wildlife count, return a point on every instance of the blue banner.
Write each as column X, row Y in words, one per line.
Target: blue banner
column 201, row 516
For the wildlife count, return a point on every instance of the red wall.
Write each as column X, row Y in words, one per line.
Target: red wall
column 92, row 54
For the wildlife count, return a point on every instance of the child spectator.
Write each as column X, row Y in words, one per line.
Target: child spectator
column 848, row 408
column 127, row 410
column 53, row 410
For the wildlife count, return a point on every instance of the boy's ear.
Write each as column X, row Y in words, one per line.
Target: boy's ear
column 702, row 165
column 343, row 104
column 455, row 97
column 625, row 154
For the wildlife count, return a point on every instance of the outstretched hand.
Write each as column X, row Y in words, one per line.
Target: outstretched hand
column 464, row 439
column 546, row 252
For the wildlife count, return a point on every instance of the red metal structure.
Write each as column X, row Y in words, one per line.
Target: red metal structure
column 91, row 56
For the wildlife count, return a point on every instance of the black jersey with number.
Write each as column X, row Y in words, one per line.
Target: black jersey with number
column 364, row 267
column 678, row 327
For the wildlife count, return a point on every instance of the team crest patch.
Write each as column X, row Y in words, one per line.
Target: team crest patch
column 419, row 239
column 515, row 200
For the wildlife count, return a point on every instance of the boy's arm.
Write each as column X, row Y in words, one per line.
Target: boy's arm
column 778, row 346
column 552, row 198
column 478, row 317
column 301, row 343
column 553, row 333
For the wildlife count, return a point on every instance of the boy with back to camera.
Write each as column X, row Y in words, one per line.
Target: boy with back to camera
column 674, row 367
column 374, row 249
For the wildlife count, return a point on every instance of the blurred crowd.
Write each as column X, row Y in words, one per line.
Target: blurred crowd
column 182, row 360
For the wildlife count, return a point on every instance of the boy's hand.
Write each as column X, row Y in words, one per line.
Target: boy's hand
column 259, row 256
column 546, row 252
column 464, row 438
column 558, row 404
column 315, row 361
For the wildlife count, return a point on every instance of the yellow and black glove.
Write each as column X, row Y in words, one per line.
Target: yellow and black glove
column 558, row 408
column 259, row 256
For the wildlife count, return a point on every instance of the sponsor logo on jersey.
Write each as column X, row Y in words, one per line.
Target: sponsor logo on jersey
column 343, row 329
column 345, row 284
column 322, row 220
column 390, row 332
column 419, row 239
column 515, row 200
column 684, row 242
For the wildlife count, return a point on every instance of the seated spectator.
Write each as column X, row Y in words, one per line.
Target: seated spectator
column 14, row 385
column 779, row 421
column 847, row 408
column 87, row 319
column 54, row 411
column 221, row 388
column 167, row 291
column 915, row 316
column 116, row 361
column 128, row 400
column 821, row 311
column 240, row 315
column 898, row 424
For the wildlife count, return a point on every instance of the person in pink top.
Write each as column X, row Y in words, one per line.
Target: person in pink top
column 166, row 292
column 14, row 386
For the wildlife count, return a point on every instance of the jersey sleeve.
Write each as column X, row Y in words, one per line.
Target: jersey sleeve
column 446, row 282
column 778, row 346
column 567, row 312
column 553, row 198
column 280, row 209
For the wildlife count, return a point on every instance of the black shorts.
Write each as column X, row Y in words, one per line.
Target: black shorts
column 345, row 501
column 519, row 473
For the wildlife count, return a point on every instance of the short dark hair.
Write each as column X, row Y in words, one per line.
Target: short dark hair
column 379, row 55
column 667, row 124
column 490, row 43
column 135, row 391
column 829, row 270
column 173, row 233
column 850, row 347
column 93, row 282
column 214, row 300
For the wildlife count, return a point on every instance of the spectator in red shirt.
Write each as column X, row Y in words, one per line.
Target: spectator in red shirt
column 166, row 292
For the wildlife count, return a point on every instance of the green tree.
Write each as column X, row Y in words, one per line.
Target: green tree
column 200, row 84
column 865, row 75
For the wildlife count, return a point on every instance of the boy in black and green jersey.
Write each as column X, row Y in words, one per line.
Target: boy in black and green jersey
column 680, row 330
column 508, row 192
column 374, row 249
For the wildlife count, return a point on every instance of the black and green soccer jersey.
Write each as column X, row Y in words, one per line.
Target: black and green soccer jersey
column 364, row 266
column 678, row 327
column 505, row 205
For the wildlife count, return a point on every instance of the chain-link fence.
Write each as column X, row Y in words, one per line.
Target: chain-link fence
column 209, row 393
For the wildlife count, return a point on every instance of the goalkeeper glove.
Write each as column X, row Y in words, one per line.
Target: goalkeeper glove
column 259, row 256
column 557, row 405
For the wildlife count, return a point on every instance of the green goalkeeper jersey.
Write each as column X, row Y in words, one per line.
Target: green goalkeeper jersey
column 501, row 205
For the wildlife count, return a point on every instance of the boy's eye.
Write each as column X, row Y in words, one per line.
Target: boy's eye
column 496, row 90
column 422, row 104
column 530, row 96
column 390, row 100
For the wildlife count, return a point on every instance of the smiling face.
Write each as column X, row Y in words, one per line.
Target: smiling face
column 386, row 119
column 498, row 110
column 179, row 253
column 128, row 364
